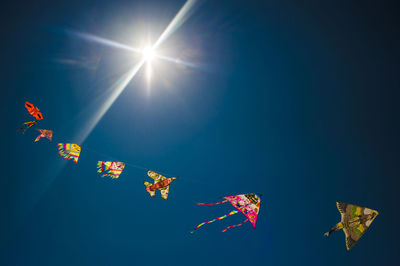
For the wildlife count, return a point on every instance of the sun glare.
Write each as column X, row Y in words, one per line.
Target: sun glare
column 148, row 54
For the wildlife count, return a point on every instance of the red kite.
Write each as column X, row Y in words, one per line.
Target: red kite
column 33, row 110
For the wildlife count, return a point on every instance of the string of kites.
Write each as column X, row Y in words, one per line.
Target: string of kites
column 355, row 220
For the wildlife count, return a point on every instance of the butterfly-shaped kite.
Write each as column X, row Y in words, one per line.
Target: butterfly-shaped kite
column 34, row 111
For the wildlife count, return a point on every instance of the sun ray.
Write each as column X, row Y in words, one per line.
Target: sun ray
column 109, row 96
column 148, row 52
column 93, row 38
column 176, row 22
column 116, row 90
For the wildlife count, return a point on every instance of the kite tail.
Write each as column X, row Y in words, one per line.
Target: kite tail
column 38, row 137
column 212, row 203
column 330, row 232
column 335, row 228
column 234, row 225
column 219, row 218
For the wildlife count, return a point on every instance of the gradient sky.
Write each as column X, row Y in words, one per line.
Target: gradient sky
column 297, row 100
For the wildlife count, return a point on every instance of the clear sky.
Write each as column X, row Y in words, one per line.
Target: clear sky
column 297, row 100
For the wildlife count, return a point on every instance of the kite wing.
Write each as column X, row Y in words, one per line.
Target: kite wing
column 111, row 169
column 164, row 192
column 157, row 177
column 356, row 220
column 33, row 110
column 248, row 204
column 69, row 151
column 151, row 192
column 44, row 133
column 25, row 126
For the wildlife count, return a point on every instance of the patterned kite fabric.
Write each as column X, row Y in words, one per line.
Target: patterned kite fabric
column 44, row 133
column 248, row 204
column 69, row 151
column 219, row 218
column 111, row 169
column 161, row 184
column 355, row 221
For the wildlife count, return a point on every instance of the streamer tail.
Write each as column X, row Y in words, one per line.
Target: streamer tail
column 216, row 203
column 235, row 225
column 219, row 218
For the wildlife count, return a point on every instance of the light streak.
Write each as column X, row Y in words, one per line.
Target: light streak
column 93, row 38
column 121, row 84
column 176, row 22
column 112, row 93
column 116, row 89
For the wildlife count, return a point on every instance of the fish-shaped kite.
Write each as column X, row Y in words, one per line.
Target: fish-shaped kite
column 160, row 182
column 34, row 111
column 111, row 169
column 248, row 204
column 44, row 133
column 69, row 151
column 355, row 221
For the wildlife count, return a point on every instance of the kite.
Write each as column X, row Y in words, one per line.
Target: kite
column 33, row 110
column 69, row 151
column 111, row 169
column 44, row 133
column 26, row 126
column 355, row 221
column 160, row 182
column 248, row 204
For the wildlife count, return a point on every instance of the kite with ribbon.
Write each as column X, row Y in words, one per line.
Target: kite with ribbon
column 248, row 204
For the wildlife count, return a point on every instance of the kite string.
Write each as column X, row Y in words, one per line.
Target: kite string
column 135, row 165
column 234, row 225
column 216, row 219
column 115, row 159
column 216, row 203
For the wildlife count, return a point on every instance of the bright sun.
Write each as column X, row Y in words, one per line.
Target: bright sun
column 148, row 54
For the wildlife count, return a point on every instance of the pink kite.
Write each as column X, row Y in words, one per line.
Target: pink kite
column 44, row 133
column 248, row 204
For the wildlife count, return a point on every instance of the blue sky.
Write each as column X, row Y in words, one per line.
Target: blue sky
column 296, row 101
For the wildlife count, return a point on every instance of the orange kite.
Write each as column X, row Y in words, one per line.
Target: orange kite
column 33, row 110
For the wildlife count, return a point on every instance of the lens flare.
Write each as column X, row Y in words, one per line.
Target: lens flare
column 148, row 54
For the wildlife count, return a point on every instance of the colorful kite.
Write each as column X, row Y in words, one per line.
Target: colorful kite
column 248, row 204
column 69, row 151
column 111, row 169
column 160, row 182
column 44, row 133
column 355, row 221
column 33, row 110
column 26, row 126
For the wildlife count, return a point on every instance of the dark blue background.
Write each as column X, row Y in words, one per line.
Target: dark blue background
column 295, row 100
